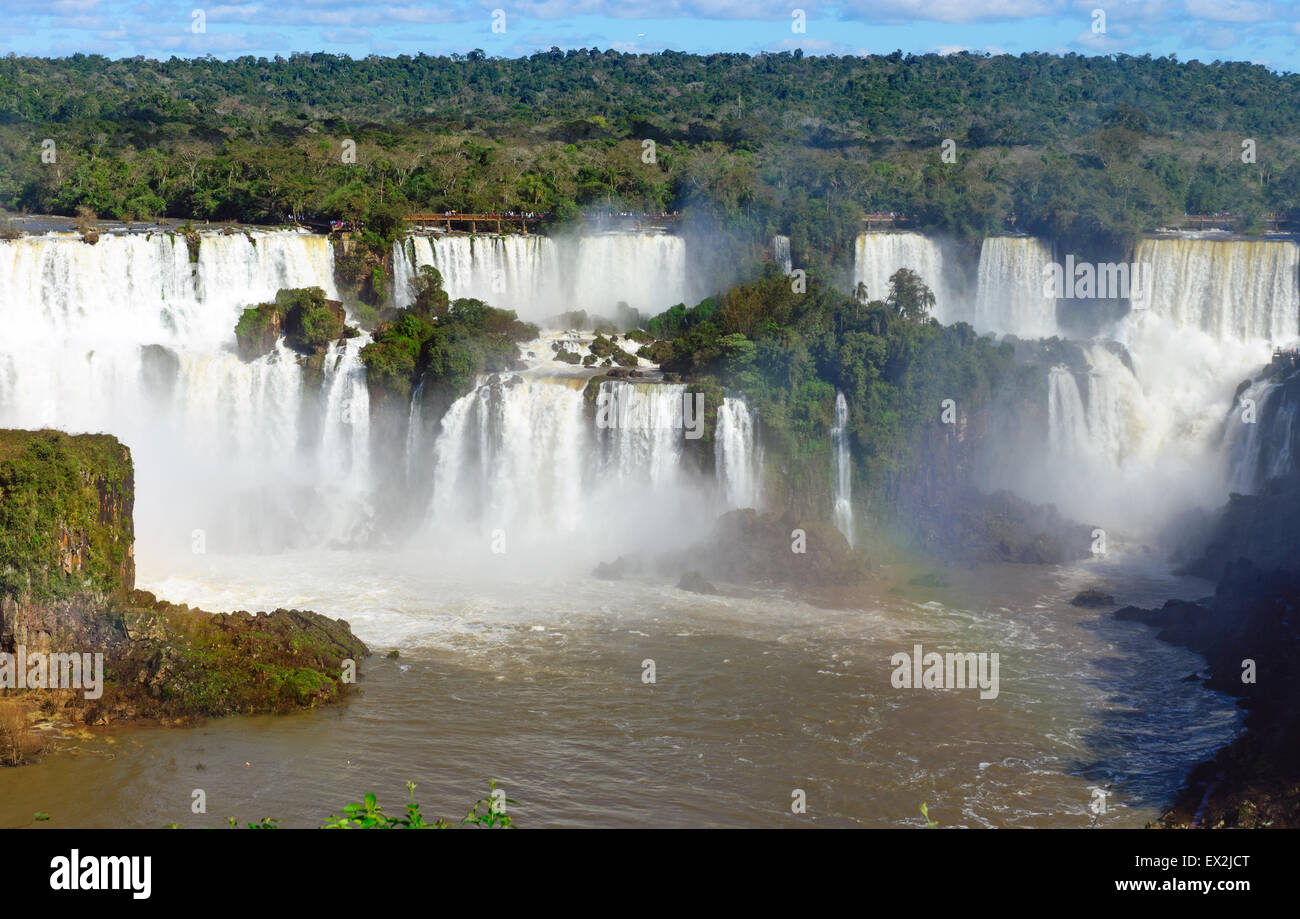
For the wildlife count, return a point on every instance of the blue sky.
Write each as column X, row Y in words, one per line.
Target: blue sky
column 1263, row 31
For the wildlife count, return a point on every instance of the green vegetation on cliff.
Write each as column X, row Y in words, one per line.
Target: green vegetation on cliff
column 66, row 582
column 446, row 343
column 788, row 352
column 307, row 320
column 65, row 514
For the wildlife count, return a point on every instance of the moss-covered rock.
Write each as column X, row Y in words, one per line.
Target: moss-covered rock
column 258, row 329
column 66, row 547
column 656, row 351
column 307, row 320
column 311, row 322
column 445, row 354
column 65, row 515
column 605, row 348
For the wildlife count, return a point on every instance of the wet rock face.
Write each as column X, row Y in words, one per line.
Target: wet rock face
column 258, row 329
column 1258, row 527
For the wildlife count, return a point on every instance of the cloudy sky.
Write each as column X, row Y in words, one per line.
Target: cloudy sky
column 1263, row 31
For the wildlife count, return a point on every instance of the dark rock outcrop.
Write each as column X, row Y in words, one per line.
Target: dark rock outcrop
column 696, row 583
column 1260, row 527
column 66, row 552
column 1092, row 598
column 1249, row 633
column 752, row 547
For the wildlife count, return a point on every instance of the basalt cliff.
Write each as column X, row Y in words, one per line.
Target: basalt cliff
column 67, row 586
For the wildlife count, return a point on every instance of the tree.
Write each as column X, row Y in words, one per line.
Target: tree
column 908, row 296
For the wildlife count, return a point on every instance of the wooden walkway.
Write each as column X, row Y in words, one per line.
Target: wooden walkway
column 491, row 223
column 512, row 223
column 1271, row 224
column 885, row 221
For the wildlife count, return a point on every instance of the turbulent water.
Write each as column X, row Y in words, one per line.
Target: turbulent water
column 540, row 277
column 535, row 681
column 253, row 491
column 1151, row 439
column 1137, row 436
column 128, row 336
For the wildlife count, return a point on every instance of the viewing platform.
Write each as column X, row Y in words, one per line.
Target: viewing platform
column 886, row 221
column 521, row 223
column 470, row 223
column 1271, row 223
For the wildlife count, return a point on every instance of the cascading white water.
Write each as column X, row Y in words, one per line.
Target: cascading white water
column 345, row 441
column 129, row 337
column 1243, row 441
column 1259, row 434
column 1067, row 418
column 510, row 456
column 1230, row 289
column 1126, row 449
column 736, row 460
column 520, row 459
column 1009, row 296
column 781, row 253
column 521, row 273
column 1152, row 439
column 540, row 276
column 878, row 255
column 643, row 434
column 842, row 484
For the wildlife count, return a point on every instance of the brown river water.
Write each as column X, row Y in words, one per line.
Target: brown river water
column 536, row 681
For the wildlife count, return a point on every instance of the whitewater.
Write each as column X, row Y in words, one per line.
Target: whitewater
column 254, row 491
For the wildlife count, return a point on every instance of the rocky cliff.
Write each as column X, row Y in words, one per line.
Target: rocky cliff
column 1251, row 642
column 68, row 578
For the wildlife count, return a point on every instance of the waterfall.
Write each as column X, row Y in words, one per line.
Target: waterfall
column 1009, row 295
column 781, row 254
column 345, row 442
column 842, row 485
column 644, row 438
column 539, row 276
column 130, row 337
column 414, row 439
column 1244, row 440
column 510, row 456
column 402, row 289
column 520, row 456
column 1230, row 289
column 878, row 255
column 1067, row 419
column 735, row 457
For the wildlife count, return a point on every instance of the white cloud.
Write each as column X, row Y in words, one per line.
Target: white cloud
column 1231, row 10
